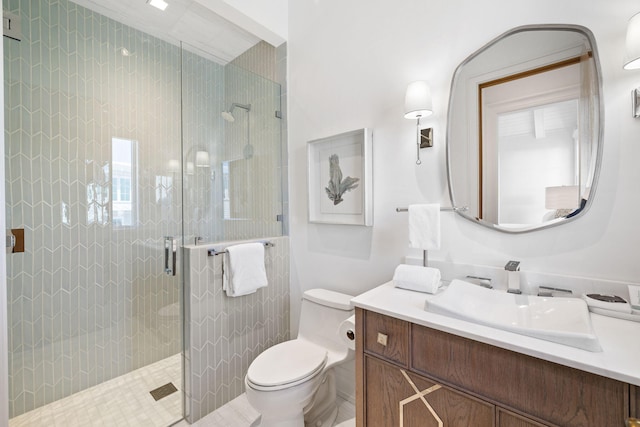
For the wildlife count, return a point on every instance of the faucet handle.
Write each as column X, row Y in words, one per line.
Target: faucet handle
column 485, row 282
column 512, row 266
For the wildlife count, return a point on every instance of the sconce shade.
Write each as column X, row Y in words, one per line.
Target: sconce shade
column 202, row 159
column 632, row 45
column 417, row 101
column 562, row 197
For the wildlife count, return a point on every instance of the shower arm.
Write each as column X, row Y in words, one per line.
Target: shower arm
column 246, row 107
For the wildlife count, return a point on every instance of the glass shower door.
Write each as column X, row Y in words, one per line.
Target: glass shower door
column 93, row 149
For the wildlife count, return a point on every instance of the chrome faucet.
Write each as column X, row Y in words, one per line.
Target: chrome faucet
column 513, row 268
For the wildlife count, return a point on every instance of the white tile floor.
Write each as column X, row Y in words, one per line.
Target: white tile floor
column 123, row 402
column 238, row 413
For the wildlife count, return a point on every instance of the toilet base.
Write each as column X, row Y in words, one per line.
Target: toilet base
column 291, row 422
column 323, row 410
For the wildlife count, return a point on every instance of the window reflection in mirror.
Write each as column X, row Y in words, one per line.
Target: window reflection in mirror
column 523, row 132
column 528, row 142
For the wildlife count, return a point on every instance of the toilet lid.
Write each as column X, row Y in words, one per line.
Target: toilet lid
column 286, row 363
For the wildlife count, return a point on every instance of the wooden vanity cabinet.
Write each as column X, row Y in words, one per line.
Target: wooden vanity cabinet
column 410, row 375
column 635, row 402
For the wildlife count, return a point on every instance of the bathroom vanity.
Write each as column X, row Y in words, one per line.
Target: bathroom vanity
column 415, row 368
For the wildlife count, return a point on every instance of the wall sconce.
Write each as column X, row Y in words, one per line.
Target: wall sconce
column 632, row 58
column 417, row 104
column 632, row 44
column 635, row 103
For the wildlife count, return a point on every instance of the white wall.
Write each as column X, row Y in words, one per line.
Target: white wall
column 349, row 64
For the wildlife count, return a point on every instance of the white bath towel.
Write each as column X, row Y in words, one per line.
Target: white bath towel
column 244, row 273
column 424, row 226
column 417, row 278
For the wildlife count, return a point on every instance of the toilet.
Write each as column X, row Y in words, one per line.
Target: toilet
column 292, row 384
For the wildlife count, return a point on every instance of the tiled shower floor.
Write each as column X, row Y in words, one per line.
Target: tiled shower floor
column 123, row 402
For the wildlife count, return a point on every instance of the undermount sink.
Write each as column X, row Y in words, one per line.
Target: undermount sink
column 560, row 320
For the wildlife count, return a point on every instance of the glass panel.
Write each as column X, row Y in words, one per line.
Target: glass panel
column 92, row 144
column 232, row 151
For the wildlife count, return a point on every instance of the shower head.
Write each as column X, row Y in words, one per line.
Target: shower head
column 228, row 115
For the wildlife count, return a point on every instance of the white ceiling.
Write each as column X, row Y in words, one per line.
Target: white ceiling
column 187, row 21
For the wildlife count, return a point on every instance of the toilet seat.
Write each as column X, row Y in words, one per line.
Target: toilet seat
column 285, row 365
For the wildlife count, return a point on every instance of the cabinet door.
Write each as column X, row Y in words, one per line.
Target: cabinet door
column 509, row 419
column 395, row 397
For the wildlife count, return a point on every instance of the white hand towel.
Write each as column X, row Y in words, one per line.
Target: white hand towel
column 245, row 272
column 424, row 226
column 417, row 278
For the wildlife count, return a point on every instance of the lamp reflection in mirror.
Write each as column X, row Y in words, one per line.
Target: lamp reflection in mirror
column 174, row 166
column 202, row 159
column 563, row 199
column 417, row 104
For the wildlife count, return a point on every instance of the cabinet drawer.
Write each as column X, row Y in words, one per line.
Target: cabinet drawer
column 387, row 337
column 547, row 391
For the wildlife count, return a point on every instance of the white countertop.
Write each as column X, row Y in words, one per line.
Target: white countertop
column 620, row 339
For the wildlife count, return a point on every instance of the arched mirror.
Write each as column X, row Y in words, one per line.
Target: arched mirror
column 524, row 136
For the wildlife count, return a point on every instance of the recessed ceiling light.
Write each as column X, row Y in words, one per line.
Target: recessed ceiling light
column 160, row 4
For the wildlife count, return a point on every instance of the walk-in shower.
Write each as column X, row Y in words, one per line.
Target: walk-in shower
column 247, row 151
column 101, row 152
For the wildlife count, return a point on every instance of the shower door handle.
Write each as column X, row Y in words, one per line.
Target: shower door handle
column 10, row 241
column 170, row 252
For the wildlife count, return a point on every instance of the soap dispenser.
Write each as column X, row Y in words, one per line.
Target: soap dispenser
column 513, row 280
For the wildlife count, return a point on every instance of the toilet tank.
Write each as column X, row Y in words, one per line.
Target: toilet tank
column 321, row 314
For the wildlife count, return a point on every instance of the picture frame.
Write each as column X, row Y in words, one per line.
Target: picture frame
column 340, row 178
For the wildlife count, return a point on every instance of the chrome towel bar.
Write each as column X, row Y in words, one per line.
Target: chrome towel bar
column 445, row 209
column 214, row 252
